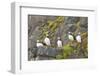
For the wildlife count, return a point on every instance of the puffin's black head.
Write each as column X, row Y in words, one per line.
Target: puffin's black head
column 59, row 38
column 37, row 41
column 44, row 44
column 47, row 35
column 70, row 33
column 79, row 33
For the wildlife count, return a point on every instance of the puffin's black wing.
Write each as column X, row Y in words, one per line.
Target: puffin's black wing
column 44, row 44
column 74, row 37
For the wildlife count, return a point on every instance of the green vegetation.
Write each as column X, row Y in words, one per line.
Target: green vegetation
column 67, row 50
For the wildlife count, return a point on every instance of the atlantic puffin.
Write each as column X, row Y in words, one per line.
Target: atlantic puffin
column 39, row 44
column 78, row 38
column 47, row 41
column 71, row 36
column 59, row 42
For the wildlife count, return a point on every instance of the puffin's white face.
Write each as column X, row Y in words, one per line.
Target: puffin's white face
column 79, row 33
column 37, row 41
column 58, row 38
column 69, row 33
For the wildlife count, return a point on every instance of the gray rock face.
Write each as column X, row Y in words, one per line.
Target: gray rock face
column 47, row 52
column 43, row 53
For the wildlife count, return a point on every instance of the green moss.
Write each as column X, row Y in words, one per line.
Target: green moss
column 67, row 50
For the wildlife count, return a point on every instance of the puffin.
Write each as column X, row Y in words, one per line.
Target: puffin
column 71, row 36
column 47, row 41
column 39, row 44
column 59, row 42
column 78, row 38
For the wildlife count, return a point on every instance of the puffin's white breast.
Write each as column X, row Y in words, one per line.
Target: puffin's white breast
column 78, row 38
column 70, row 37
column 47, row 41
column 39, row 45
column 59, row 43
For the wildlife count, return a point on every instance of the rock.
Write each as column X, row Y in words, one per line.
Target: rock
column 51, row 52
column 47, row 53
column 42, row 58
column 72, row 28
